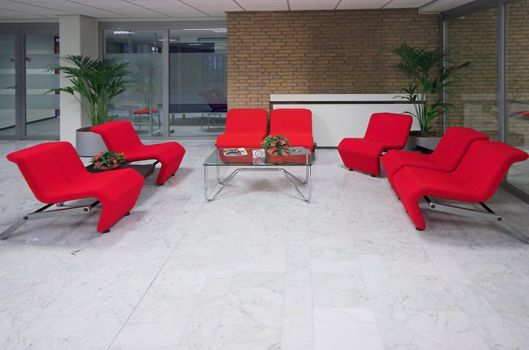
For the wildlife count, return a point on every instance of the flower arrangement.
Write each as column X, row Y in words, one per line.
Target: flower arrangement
column 108, row 160
column 276, row 144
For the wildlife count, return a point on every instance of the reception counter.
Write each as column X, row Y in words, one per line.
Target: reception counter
column 336, row 116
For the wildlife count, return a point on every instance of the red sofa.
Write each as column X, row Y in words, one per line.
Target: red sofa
column 294, row 124
column 244, row 128
column 385, row 131
column 55, row 174
column 475, row 179
column 447, row 155
column 119, row 136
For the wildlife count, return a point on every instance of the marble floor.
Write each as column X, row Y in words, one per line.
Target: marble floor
column 260, row 269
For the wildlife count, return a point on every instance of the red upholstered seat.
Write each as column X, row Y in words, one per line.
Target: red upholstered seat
column 447, row 155
column 475, row 178
column 145, row 111
column 244, row 128
column 294, row 124
column 385, row 131
column 55, row 174
column 119, row 136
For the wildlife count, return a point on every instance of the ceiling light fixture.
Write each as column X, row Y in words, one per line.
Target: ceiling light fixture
column 216, row 30
column 124, row 32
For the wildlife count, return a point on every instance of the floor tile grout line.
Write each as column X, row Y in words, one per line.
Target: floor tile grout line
column 151, row 283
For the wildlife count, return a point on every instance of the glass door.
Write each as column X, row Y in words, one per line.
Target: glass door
column 8, row 86
column 42, row 107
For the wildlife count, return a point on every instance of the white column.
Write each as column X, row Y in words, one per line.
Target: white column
column 78, row 36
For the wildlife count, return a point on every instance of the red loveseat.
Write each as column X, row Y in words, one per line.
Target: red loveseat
column 294, row 124
column 55, row 174
column 385, row 131
column 119, row 136
column 244, row 128
column 475, row 179
column 447, row 155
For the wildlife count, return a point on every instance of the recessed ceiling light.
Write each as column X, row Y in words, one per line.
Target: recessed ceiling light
column 123, row 32
column 216, row 30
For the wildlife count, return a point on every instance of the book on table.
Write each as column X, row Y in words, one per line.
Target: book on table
column 234, row 152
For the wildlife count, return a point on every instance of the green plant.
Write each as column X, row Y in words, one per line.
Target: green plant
column 428, row 78
column 277, row 144
column 107, row 160
column 95, row 80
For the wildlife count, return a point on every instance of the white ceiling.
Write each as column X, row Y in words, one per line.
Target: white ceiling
column 166, row 9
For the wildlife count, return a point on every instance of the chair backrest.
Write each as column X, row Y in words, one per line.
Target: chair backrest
column 485, row 165
column 247, row 121
column 47, row 166
column 284, row 121
column 391, row 129
column 453, row 145
column 119, row 135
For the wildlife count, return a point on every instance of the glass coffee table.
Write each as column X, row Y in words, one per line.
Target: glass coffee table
column 218, row 160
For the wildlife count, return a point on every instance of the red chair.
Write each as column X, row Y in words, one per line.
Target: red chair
column 385, row 131
column 474, row 180
column 55, row 174
column 294, row 124
column 119, row 136
column 447, row 155
column 244, row 128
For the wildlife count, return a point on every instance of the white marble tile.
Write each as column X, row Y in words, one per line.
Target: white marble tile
column 260, row 269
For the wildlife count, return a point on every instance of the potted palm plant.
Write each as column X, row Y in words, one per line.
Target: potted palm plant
column 96, row 81
column 427, row 79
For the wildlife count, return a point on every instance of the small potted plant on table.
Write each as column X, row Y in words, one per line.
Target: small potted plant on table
column 276, row 148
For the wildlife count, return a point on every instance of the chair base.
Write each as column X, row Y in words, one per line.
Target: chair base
column 487, row 215
column 42, row 213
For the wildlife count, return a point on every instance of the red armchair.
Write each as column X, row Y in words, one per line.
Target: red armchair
column 119, row 136
column 55, row 174
column 294, row 124
column 244, row 128
column 447, row 155
column 385, row 131
column 475, row 180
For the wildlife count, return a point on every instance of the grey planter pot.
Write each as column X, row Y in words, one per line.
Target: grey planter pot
column 429, row 143
column 88, row 143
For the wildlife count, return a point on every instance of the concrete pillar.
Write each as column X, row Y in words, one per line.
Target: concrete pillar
column 79, row 36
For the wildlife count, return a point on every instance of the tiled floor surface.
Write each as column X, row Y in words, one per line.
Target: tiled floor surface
column 260, row 269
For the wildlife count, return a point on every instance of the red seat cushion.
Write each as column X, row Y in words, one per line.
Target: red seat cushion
column 294, row 124
column 475, row 179
column 55, row 173
column 446, row 157
column 145, row 111
column 385, row 131
column 244, row 128
column 119, row 136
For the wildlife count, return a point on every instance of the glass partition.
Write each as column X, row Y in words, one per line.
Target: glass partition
column 518, row 87
column 198, row 82
column 142, row 102
column 473, row 100
column 42, row 108
column 7, row 85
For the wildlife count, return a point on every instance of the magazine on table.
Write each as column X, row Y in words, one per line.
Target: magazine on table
column 292, row 151
column 234, row 152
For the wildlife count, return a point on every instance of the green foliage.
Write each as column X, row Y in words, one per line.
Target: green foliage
column 278, row 144
column 428, row 77
column 108, row 160
column 97, row 81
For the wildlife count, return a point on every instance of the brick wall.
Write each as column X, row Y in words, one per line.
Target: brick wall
column 320, row 52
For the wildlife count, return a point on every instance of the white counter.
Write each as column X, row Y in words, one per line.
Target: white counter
column 337, row 116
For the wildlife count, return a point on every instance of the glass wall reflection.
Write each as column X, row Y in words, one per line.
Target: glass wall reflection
column 518, row 87
column 198, row 83
column 142, row 102
column 7, row 85
column 473, row 100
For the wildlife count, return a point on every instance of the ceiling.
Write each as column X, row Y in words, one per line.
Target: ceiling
column 166, row 9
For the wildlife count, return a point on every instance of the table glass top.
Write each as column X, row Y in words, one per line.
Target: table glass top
column 228, row 157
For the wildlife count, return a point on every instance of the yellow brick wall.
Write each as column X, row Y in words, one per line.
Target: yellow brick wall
column 320, row 52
